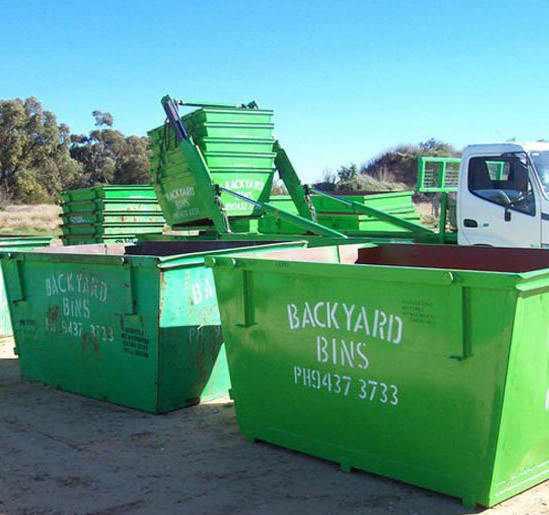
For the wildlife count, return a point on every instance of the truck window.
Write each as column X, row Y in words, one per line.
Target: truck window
column 541, row 164
column 504, row 181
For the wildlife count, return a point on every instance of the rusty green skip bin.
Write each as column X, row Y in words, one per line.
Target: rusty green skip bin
column 136, row 326
column 427, row 364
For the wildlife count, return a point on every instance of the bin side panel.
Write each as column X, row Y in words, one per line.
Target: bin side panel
column 77, row 327
column 5, row 321
column 15, row 243
column 192, row 366
column 369, row 373
column 523, row 447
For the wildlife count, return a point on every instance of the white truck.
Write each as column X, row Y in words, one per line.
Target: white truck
column 502, row 194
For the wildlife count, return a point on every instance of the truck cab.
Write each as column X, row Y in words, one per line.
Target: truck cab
column 503, row 195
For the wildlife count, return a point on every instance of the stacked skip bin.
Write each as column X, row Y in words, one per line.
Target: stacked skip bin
column 109, row 214
column 341, row 217
column 236, row 144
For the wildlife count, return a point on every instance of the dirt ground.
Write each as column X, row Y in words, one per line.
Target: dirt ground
column 61, row 453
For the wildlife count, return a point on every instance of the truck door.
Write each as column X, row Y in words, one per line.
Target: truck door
column 498, row 205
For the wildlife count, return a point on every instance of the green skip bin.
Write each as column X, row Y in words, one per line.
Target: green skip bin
column 133, row 325
column 426, row 364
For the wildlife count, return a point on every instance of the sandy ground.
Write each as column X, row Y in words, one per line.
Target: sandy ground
column 61, row 453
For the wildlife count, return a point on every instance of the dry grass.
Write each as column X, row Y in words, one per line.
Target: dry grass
column 44, row 218
column 30, row 219
column 425, row 209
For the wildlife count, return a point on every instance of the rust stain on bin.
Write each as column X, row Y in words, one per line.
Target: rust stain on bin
column 53, row 314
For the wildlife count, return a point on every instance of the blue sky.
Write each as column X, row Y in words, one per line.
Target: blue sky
column 346, row 79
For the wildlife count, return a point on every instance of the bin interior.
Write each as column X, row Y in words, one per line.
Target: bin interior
column 168, row 248
column 491, row 259
column 154, row 248
column 486, row 259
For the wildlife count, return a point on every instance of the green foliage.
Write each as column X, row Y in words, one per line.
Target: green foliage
column 348, row 174
column 394, row 169
column 39, row 157
column 400, row 163
column 109, row 157
column 328, row 182
column 34, row 152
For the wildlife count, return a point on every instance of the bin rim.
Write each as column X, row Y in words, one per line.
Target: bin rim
column 522, row 282
column 161, row 262
column 110, row 213
column 110, row 187
column 230, row 108
column 221, row 153
column 254, row 125
column 225, row 139
column 199, row 258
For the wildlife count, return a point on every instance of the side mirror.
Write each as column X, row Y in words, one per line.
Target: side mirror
column 507, row 215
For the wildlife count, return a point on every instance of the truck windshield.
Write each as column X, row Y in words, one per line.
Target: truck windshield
column 540, row 159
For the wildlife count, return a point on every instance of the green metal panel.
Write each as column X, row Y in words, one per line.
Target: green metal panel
column 520, row 447
column 5, row 321
column 389, row 202
column 21, row 242
column 231, row 115
column 329, row 211
column 15, row 242
column 236, row 145
column 105, row 214
column 139, row 329
column 239, row 160
column 86, row 239
column 76, row 239
column 394, row 220
column 114, row 217
column 284, row 202
column 101, row 229
column 291, row 180
column 339, row 216
column 437, row 174
column 183, row 201
column 441, row 174
column 363, row 222
column 233, row 130
column 252, row 184
column 104, row 206
column 426, row 364
column 186, row 190
column 126, row 192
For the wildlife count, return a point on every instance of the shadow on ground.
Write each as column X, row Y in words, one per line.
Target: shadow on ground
column 62, row 453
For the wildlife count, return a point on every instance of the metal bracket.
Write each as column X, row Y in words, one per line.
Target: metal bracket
column 463, row 348
column 130, row 303
column 13, row 281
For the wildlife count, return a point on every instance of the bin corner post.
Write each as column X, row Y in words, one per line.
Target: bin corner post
column 345, row 467
column 13, row 280
column 246, row 301
column 130, row 303
column 462, row 300
column 468, row 502
column 443, row 216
